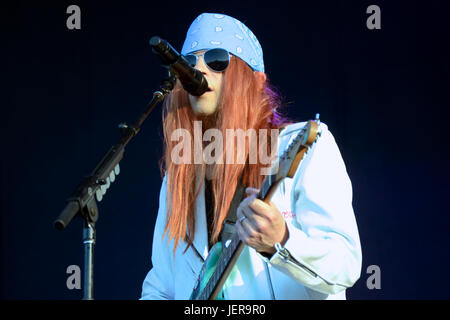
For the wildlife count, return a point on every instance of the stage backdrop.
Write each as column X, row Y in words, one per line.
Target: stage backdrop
column 382, row 92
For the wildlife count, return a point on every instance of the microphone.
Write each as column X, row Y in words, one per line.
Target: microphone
column 192, row 80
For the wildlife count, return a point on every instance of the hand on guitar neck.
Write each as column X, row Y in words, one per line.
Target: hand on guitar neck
column 259, row 224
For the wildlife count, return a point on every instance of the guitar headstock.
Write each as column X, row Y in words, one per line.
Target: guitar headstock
column 298, row 148
column 286, row 165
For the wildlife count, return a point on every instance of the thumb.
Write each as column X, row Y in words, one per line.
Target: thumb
column 251, row 191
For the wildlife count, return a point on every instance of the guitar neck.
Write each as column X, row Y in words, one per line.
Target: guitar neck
column 227, row 261
column 231, row 253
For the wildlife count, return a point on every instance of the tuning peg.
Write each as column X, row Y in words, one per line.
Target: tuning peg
column 100, row 181
column 103, row 189
column 108, row 183
column 99, row 195
column 117, row 169
column 112, row 176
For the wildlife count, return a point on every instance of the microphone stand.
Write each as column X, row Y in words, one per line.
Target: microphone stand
column 83, row 201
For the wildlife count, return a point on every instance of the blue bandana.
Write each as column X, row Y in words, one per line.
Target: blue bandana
column 212, row 30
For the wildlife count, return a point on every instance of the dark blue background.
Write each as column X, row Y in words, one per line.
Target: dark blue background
column 383, row 94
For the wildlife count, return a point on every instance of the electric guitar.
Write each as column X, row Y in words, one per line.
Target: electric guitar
column 222, row 257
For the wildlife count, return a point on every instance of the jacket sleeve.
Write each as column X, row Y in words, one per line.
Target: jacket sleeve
column 323, row 251
column 158, row 284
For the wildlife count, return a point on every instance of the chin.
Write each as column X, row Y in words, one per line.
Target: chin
column 203, row 105
column 204, row 110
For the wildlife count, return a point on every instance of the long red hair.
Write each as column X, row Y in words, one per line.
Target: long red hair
column 247, row 102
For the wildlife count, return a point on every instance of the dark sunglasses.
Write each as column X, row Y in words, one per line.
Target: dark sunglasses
column 216, row 59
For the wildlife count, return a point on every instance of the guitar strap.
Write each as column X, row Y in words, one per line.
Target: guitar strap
column 228, row 229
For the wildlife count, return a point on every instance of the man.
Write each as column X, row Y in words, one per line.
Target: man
column 304, row 244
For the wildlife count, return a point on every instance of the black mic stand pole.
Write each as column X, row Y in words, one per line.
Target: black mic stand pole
column 83, row 200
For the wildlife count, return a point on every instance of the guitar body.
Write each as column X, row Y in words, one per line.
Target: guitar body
column 208, row 268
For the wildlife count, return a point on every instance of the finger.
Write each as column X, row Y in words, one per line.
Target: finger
column 246, row 202
column 250, row 217
column 239, row 212
column 243, row 235
column 260, row 208
column 245, row 218
column 243, row 210
column 250, row 233
column 251, row 191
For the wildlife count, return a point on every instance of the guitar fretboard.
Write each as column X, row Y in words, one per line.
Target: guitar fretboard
column 234, row 244
column 266, row 185
column 225, row 258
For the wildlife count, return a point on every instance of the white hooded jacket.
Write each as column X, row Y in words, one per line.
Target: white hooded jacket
column 322, row 255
